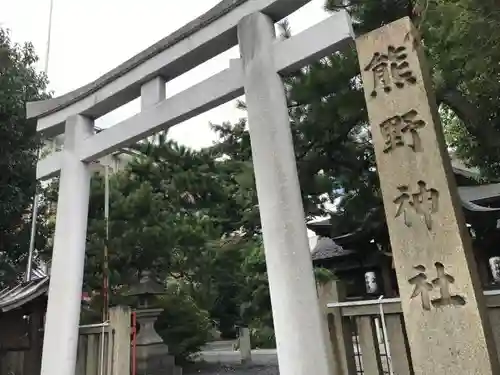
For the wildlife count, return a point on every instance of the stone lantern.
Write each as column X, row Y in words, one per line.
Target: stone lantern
column 151, row 352
column 146, row 290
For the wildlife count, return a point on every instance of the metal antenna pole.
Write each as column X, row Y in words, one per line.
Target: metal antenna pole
column 34, row 214
column 105, row 272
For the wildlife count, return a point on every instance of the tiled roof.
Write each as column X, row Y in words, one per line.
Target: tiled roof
column 326, row 248
column 11, row 298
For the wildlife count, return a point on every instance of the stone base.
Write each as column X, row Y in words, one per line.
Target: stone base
column 156, row 365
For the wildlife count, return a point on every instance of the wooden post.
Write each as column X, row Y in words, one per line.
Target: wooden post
column 92, row 355
column 386, row 272
column 368, row 342
column 81, row 355
column 398, row 345
column 338, row 327
column 119, row 318
column 441, row 297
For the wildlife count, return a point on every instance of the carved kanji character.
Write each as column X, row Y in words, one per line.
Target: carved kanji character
column 443, row 282
column 422, row 287
column 405, row 203
column 424, row 202
column 395, row 127
column 390, row 69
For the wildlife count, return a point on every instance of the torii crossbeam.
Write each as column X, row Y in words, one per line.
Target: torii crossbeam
column 301, row 336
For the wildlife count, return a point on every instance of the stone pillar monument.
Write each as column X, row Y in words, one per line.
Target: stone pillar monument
column 441, row 297
column 152, row 353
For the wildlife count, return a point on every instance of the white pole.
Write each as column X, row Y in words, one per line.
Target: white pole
column 49, row 35
column 34, row 216
column 301, row 333
column 34, row 213
column 384, row 332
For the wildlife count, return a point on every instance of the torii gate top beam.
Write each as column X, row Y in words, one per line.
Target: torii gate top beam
column 125, row 82
column 198, row 41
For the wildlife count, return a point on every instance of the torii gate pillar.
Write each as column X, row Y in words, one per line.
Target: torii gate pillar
column 302, row 346
column 68, row 257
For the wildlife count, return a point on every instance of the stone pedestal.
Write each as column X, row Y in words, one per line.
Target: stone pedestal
column 151, row 352
column 245, row 345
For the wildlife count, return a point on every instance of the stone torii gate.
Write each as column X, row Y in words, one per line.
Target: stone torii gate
column 302, row 346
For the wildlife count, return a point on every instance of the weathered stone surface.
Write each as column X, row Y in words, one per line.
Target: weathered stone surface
column 301, row 333
column 444, row 311
column 151, row 352
column 245, row 345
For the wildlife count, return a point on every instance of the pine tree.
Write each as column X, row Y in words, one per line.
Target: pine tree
column 328, row 115
column 19, row 83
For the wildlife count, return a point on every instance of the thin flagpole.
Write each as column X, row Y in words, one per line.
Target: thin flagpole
column 105, row 267
column 105, row 273
column 34, row 215
column 49, row 35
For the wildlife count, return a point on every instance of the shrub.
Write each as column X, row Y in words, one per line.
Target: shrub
column 183, row 326
column 262, row 337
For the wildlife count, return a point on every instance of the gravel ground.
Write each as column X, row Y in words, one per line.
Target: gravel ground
column 213, row 369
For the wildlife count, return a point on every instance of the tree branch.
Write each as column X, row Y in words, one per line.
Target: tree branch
column 484, row 132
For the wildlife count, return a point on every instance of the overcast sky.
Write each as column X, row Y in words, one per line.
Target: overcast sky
column 91, row 37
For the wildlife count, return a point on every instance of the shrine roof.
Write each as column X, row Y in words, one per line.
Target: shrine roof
column 327, row 248
column 460, row 169
column 22, row 293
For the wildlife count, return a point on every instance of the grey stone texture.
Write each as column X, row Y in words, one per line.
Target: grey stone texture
column 443, row 307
